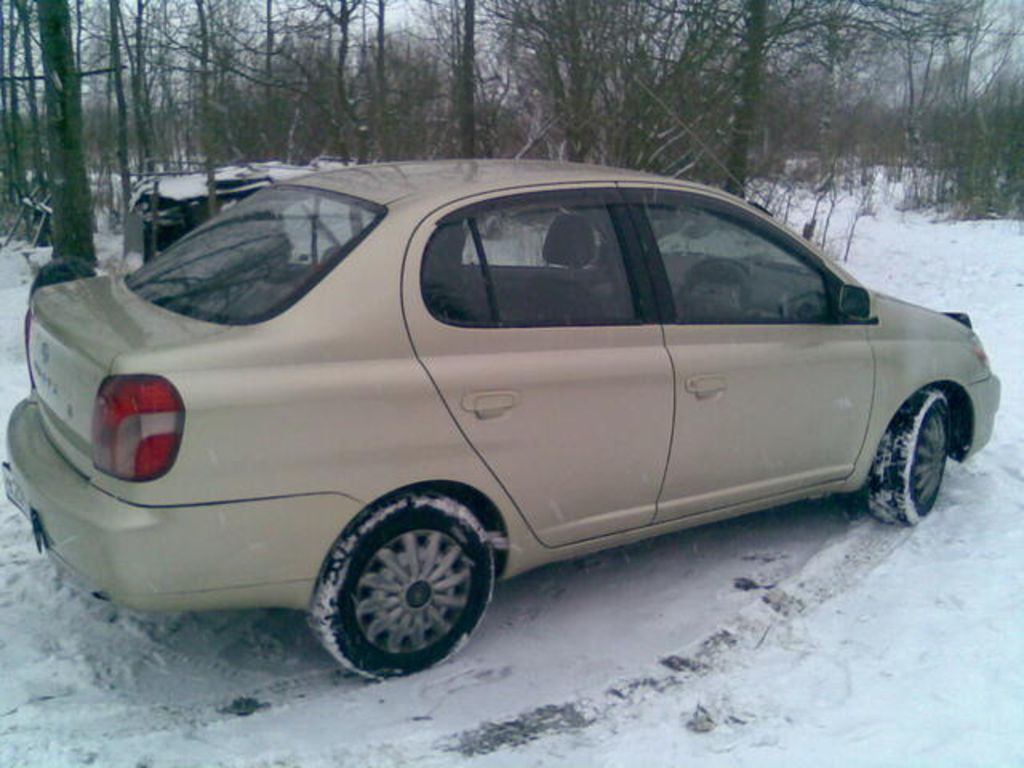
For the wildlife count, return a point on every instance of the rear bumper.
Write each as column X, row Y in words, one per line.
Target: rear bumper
column 984, row 396
column 252, row 553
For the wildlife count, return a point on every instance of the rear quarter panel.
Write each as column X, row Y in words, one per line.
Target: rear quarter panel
column 326, row 398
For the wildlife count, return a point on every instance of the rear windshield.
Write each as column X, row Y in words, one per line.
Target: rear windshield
column 258, row 258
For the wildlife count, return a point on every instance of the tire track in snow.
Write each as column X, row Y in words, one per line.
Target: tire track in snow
column 831, row 571
column 152, row 679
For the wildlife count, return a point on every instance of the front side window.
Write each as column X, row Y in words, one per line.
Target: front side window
column 722, row 271
column 258, row 258
column 528, row 264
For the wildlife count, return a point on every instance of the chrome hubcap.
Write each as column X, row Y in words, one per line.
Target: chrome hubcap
column 930, row 459
column 418, row 594
column 413, row 591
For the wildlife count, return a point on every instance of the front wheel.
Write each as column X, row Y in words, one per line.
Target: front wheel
column 908, row 468
column 400, row 592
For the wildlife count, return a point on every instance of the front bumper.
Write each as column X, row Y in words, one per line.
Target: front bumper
column 985, row 395
column 251, row 553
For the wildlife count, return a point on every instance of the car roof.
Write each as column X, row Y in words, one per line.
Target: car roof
column 444, row 180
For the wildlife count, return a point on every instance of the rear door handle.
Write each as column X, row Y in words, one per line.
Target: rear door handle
column 704, row 387
column 490, row 405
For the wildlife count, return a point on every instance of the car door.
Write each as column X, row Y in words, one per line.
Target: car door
column 531, row 319
column 772, row 392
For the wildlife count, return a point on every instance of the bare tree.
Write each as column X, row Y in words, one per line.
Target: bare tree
column 381, row 90
column 35, row 124
column 140, row 92
column 5, row 126
column 12, row 118
column 919, row 30
column 676, row 86
column 72, row 201
column 342, row 14
column 571, row 43
column 123, row 169
column 208, row 130
column 751, row 75
column 467, row 81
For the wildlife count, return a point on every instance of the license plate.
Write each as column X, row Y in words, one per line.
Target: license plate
column 14, row 492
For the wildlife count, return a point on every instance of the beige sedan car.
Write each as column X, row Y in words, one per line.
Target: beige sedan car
column 370, row 392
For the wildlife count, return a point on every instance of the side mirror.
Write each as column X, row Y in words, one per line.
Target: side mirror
column 854, row 303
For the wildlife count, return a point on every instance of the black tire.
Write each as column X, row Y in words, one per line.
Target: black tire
column 402, row 589
column 907, row 471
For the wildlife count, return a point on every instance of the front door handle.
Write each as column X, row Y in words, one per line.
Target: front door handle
column 490, row 405
column 704, row 387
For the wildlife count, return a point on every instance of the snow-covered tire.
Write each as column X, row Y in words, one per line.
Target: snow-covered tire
column 403, row 589
column 907, row 471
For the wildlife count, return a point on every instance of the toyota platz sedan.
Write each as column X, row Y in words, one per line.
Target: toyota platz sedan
column 370, row 392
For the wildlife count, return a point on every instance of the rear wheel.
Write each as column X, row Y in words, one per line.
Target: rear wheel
column 909, row 466
column 400, row 591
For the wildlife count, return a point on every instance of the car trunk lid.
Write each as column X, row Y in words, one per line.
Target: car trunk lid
column 77, row 331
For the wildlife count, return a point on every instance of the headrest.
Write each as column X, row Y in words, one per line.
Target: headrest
column 446, row 247
column 569, row 242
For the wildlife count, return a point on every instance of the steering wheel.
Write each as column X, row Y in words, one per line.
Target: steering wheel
column 805, row 307
column 715, row 289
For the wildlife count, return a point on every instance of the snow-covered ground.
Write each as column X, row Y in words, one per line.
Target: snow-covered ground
column 792, row 637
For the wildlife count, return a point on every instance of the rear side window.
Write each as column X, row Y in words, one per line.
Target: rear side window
column 453, row 279
column 258, row 258
column 529, row 265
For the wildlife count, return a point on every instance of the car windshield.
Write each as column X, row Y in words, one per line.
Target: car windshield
column 258, row 258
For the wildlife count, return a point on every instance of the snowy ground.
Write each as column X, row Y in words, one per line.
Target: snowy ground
column 852, row 642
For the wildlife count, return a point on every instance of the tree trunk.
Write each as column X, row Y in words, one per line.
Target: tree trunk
column 140, row 96
column 206, row 129
column 4, row 123
column 381, row 95
column 751, row 77
column 579, row 94
column 72, row 201
column 16, row 164
column 78, row 35
column 828, row 149
column 122, row 110
column 467, row 80
column 343, row 18
column 268, row 54
column 267, row 129
column 38, row 161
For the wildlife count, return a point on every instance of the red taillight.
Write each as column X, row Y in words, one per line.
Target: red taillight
column 28, row 347
column 136, row 426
